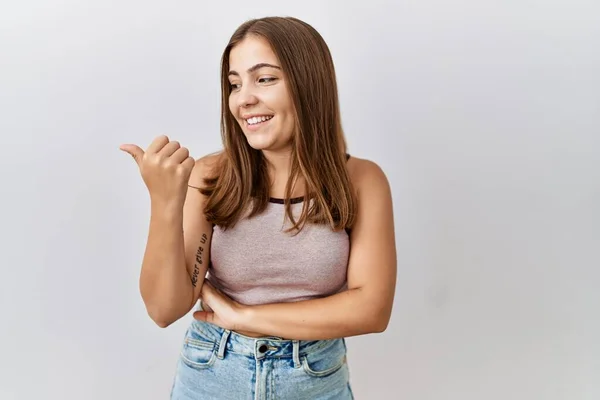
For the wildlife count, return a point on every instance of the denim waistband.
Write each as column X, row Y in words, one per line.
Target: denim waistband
column 259, row 348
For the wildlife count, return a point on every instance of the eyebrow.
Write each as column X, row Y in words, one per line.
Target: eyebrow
column 256, row 67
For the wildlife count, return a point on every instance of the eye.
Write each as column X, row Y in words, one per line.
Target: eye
column 234, row 86
column 267, row 80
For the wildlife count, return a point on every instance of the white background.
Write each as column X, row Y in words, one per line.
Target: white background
column 484, row 115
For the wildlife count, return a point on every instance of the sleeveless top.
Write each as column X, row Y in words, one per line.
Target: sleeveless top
column 257, row 262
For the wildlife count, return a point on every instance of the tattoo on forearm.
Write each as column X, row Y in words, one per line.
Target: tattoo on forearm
column 199, row 260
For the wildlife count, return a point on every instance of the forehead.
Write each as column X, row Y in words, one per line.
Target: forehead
column 250, row 51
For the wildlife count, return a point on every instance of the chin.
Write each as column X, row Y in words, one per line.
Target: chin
column 258, row 147
column 260, row 142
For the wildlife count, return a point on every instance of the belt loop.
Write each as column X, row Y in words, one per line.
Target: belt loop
column 223, row 343
column 296, row 353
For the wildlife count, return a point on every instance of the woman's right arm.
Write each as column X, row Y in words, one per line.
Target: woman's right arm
column 177, row 251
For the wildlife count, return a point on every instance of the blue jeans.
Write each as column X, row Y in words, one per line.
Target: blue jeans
column 218, row 364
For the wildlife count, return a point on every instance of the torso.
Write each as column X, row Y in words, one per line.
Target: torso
column 317, row 259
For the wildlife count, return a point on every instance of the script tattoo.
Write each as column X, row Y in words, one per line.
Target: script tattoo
column 199, row 260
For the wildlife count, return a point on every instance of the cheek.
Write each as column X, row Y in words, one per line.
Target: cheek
column 280, row 99
column 288, row 107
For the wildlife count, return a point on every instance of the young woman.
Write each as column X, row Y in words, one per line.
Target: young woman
column 287, row 240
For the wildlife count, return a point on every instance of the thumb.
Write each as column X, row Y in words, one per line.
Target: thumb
column 206, row 316
column 136, row 152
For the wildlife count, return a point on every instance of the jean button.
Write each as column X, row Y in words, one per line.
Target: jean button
column 263, row 348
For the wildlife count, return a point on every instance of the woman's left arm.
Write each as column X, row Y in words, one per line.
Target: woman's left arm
column 367, row 304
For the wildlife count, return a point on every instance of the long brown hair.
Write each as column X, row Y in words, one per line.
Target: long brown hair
column 318, row 145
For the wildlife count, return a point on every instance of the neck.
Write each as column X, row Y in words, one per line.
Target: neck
column 279, row 165
column 278, row 162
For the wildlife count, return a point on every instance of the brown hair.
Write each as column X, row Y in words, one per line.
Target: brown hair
column 319, row 146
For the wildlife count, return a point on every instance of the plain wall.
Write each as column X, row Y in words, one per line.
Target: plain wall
column 484, row 115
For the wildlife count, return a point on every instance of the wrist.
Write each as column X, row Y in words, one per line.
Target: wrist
column 245, row 316
column 166, row 208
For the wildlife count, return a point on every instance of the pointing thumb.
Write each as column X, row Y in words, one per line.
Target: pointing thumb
column 136, row 152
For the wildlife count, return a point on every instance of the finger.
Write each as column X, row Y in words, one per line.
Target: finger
column 135, row 151
column 204, row 316
column 180, row 155
column 207, row 291
column 207, row 283
column 157, row 144
column 204, row 306
column 169, row 149
column 189, row 163
column 210, row 296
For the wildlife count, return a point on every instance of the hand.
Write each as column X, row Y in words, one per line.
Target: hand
column 218, row 308
column 165, row 167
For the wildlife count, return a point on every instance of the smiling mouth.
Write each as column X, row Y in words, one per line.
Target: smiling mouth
column 255, row 121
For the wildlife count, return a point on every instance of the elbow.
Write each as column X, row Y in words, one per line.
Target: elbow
column 164, row 313
column 380, row 321
column 380, row 325
column 162, row 324
column 376, row 311
column 162, row 317
column 159, row 319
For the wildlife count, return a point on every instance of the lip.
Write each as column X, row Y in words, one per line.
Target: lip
column 256, row 127
column 247, row 116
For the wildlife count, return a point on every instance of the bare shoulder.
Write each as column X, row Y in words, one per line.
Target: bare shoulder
column 204, row 168
column 367, row 177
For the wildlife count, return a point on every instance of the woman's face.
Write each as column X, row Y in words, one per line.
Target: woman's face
column 259, row 99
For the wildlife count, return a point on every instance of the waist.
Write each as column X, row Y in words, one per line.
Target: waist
column 270, row 346
column 240, row 332
column 254, row 335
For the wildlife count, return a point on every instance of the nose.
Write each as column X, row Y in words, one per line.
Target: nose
column 246, row 96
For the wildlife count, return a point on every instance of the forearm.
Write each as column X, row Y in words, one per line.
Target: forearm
column 345, row 314
column 165, row 284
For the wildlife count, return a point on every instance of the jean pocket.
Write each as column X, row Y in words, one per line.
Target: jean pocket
column 198, row 352
column 324, row 363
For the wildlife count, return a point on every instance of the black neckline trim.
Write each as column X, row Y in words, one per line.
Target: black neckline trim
column 294, row 200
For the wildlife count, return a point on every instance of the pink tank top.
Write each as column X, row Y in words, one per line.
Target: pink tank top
column 257, row 262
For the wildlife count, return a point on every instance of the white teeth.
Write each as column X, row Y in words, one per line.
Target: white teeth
column 256, row 120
